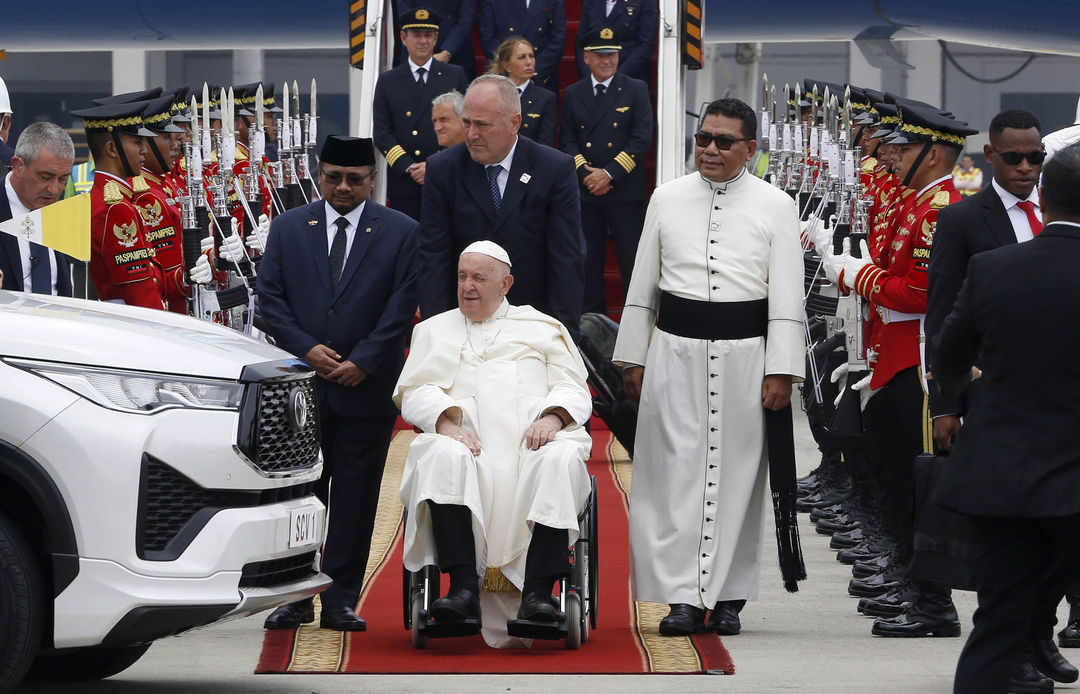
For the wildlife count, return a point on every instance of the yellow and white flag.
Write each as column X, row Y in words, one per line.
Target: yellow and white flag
column 63, row 226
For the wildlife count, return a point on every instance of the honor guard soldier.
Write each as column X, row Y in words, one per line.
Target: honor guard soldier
column 607, row 126
column 181, row 118
column 270, row 116
column 542, row 23
column 402, row 115
column 156, row 200
column 123, row 267
column 245, row 119
column 929, row 143
column 634, row 21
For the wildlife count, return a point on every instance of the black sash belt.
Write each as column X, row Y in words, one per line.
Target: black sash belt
column 713, row 320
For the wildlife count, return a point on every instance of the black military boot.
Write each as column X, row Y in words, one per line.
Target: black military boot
column 1069, row 637
column 931, row 614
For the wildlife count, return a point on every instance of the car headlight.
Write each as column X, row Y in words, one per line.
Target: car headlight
column 137, row 391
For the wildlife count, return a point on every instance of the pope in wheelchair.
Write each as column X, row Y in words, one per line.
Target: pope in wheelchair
column 495, row 484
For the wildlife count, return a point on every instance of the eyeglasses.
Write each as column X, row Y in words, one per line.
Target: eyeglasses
column 1013, row 158
column 334, row 178
column 722, row 142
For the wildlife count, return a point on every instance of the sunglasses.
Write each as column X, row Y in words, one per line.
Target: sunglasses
column 334, row 178
column 1014, row 158
column 722, row 142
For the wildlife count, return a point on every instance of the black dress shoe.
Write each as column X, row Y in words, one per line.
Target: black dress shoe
column 724, row 619
column 1049, row 661
column 1069, row 637
column 292, row 615
column 459, row 603
column 537, row 607
column 913, row 623
column 1028, row 680
column 341, row 618
column 683, row 620
column 873, row 586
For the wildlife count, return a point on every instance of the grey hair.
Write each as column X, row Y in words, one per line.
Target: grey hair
column 44, row 135
column 452, row 97
column 509, row 98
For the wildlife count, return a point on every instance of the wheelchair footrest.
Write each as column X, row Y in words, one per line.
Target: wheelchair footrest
column 448, row 629
column 529, row 629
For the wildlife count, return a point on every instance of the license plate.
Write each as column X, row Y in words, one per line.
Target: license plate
column 305, row 526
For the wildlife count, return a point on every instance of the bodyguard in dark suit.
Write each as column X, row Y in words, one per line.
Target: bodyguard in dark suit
column 542, row 22
column 528, row 205
column 995, row 217
column 635, row 23
column 1015, row 466
column 337, row 288
column 455, row 40
column 607, row 126
column 402, row 109
column 40, row 170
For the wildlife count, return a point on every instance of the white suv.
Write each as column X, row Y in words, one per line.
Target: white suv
column 157, row 473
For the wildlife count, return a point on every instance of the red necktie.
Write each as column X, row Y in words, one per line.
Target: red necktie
column 1029, row 209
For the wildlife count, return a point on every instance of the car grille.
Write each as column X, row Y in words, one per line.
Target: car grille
column 174, row 509
column 263, row 574
column 279, row 447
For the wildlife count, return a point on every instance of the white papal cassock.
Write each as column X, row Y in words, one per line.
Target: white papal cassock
column 495, row 378
column 699, row 465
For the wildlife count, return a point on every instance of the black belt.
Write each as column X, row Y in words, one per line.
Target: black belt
column 709, row 320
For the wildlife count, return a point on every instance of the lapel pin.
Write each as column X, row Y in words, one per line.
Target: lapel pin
column 368, row 230
column 525, row 178
column 313, row 223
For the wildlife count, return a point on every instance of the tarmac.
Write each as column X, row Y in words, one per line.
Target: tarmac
column 810, row 641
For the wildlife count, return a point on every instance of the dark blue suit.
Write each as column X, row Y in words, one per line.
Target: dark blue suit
column 543, row 24
column 11, row 260
column 538, row 224
column 402, row 129
column 458, row 18
column 538, row 118
column 6, row 153
column 365, row 321
column 613, row 132
column 635, row 24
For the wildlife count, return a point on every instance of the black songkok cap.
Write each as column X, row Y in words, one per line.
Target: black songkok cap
column 340, row 150
column 420, row 19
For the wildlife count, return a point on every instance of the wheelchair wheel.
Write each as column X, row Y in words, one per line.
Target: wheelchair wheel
column 574, row 622
column 593, row 564
column 419, row 640
column 408, row 588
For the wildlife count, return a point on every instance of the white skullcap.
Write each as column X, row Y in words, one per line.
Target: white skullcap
column 490, row 249
column 5, row 100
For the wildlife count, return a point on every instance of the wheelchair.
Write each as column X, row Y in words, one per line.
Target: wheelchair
column 577, row 595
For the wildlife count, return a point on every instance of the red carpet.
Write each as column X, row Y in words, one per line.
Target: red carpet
column 625, row 641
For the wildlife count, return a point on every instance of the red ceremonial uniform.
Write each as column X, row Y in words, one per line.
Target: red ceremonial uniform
column 163, row 227
column 241, row 168
column 122, row 264
column 899, row 287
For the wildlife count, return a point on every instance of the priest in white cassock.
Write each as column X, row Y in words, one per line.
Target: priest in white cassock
column 711, row 339
column 494, row 484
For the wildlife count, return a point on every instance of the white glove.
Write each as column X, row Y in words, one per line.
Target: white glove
column 206, row 244
column 232, row 249
column 853, row 266
column 255, row 238
column 820, row 235
column 832, row 264
column 201, row 272
column 839, row 374
column 864, row 390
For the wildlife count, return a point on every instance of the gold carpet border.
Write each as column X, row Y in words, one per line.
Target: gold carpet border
column 325, row 650
column 665, row 653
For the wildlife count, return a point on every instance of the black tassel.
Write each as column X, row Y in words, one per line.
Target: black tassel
column 788, row 547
